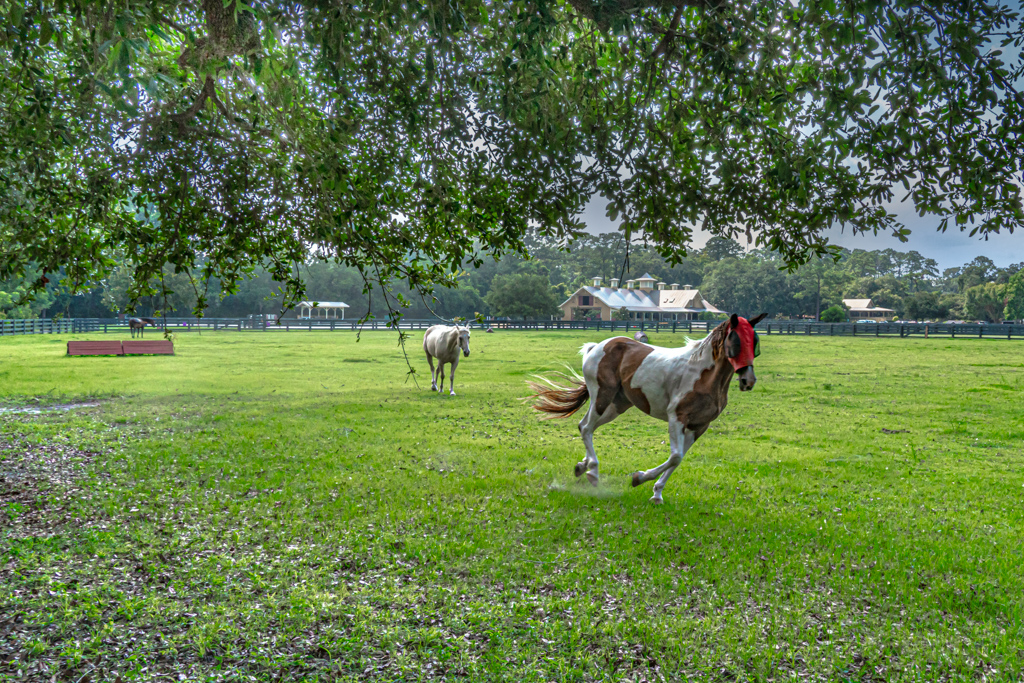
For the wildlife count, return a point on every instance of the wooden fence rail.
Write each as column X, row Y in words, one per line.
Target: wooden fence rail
column 36, row 326
column 176, row 325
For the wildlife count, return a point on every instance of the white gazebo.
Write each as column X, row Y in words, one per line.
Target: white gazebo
column 312, row 310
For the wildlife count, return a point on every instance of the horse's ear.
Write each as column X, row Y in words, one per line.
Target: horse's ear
column 734, row 321
column 756, row 320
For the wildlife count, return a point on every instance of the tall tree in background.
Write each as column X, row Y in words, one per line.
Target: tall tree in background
column 986, row 302
column 1015, row 297
column 405, row 139
column 749, row 287
column 522, row 296
column 978, row 271
column 925, row 305
column 820, row 276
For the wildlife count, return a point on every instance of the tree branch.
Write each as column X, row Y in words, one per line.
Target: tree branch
column 601, row 11
column 173, row 24
column 666, row 41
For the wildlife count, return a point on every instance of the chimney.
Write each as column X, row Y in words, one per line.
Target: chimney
column 661, row 285
column 615, row 283
column 597, row 282
column 674, row 285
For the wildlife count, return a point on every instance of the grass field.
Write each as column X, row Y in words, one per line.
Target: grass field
column 271, row 506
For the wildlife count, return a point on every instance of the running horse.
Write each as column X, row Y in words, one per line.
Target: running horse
column 687, row 387
column 140, row 325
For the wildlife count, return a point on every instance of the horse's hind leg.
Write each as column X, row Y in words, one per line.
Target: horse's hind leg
column 601, row 411
column 440, row 376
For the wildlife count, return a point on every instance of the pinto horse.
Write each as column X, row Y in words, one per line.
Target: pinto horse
column 139, row 324
column 688, row 387
column 444, row 343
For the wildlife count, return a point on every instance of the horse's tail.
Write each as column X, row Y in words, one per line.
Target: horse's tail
column 558, row 399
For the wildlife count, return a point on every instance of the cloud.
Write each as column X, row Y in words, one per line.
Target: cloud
column 950, row 249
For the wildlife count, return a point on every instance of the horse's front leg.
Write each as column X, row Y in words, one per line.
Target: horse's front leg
column 433, row 375
column 680, row 440
column 451, row 383
column 440, row 375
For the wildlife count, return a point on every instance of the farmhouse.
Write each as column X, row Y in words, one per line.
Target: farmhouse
column 311, row 310
column 861, row 309
column 642, row 299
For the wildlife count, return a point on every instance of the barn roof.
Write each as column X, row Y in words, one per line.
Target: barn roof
column 324, row 304
column 863, row 305
column 640, row 300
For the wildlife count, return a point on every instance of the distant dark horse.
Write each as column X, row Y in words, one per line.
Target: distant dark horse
column 140, row 325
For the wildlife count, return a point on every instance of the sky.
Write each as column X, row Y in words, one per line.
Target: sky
column 950, row 249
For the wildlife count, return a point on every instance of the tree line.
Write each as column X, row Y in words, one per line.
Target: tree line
column 732, row 279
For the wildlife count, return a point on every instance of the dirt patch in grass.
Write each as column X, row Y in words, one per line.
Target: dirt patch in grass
column 35, row 482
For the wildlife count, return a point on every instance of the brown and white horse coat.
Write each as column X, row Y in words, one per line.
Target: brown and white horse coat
column 444, row 343
column 688, row 387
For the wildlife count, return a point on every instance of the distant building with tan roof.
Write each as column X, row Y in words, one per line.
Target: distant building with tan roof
column 643, row 299
column 861, row 309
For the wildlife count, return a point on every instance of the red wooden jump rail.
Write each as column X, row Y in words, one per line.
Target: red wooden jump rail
column 162, row 347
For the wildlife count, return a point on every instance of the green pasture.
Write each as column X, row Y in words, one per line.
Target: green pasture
column 292, row 506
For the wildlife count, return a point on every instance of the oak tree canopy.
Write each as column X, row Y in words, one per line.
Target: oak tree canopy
column 411, row 138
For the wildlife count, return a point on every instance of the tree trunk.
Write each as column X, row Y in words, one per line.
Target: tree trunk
column 817, row 303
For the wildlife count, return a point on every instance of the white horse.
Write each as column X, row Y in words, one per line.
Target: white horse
column 443, row 343
column 687, row 387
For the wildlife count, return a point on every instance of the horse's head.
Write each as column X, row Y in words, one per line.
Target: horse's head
column 741, row 347
column 464, row 340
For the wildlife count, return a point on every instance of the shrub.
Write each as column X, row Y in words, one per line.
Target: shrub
column 834, row 314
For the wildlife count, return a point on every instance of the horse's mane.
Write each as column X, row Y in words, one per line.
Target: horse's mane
column 714, row 342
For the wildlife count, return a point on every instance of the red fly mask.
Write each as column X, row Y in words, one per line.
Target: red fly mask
column 742, row 346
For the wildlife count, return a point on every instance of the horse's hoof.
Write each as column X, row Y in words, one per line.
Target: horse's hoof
column 592, row 478
column 636, row 479
column 656, row 501
column 579, row 469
